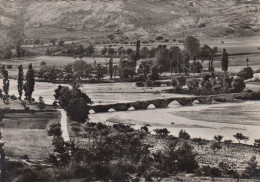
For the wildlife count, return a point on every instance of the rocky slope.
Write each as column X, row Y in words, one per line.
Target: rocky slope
column 210, row 18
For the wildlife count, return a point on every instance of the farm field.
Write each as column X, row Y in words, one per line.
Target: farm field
column 25, row 134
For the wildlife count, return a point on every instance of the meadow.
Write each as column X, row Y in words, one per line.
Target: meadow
column 25, row 134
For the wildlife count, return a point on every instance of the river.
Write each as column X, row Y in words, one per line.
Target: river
column 198, row 120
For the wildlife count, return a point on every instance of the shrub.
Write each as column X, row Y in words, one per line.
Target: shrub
column 149, row 83
column 145, row 128
column 55, row 130
column 257, row 143
column 199, row 141
column 161, row 132
column 238, row 85
column 123, row 128
column 246, row 73
column 215, row 146
column 209, row 171
column 120, row 170
column 13, row 97
column 186, row 159
column 140, row 84
column 183, row 134
column 41, row 103
column 76, row 129
column 252, row 170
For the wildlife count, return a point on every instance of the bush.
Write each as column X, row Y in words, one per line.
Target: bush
column 150, row 83
column 120, row 170
column 209, row 171
column 184, row 135
column 252, row 170
column 216, row 146
column 246, row 73
column 199, row 141
column 13, row 97
column 140, row 84
column 238, row 85
column 161, row 132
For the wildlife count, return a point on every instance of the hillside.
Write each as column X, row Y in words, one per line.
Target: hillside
column 133, row 18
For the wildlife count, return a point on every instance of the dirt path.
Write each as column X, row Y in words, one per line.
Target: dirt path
column 64, row 127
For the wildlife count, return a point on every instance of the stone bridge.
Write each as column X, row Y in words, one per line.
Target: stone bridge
column 163, row 103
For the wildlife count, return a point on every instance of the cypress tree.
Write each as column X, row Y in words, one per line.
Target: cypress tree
column 2, row 153
column 20, row 81
column 138, row 44
column 224, row 61
column 5, row 81
column 110, row 68
column 30, row 82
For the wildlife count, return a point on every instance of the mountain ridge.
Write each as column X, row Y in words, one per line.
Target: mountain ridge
column 142, row 18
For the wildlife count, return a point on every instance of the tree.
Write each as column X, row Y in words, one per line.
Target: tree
column 162, row 132
column 41, row 103
column 144, row 53
column 238, row 85
column 138, row 49
column 30, row 82
column 53, row 41
column 257, row 143
column 218, row 138
column 228, row 142
column 183, row 134
column 205, row 52
column 126, row 69
column 192, row 83
column 175, row 53
column 5, row 81
column 111, row 51
column 162, row 58
column 144, row 69
column 104, row 51
column 61, row 43
column 74, row 102
column 224, row 61
column 8, row 53
column 79, row 68
column 2, row 153
column 246, row 73
column 154, row 73
column 239, row 137
column 90, row 50
column 101, row 71
column 111, row 68
column 192, row 45
column 20, row 81
column 251, row 170
column 18, row 50
column 53, row 74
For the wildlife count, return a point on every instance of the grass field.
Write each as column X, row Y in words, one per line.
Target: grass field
column 26, row 134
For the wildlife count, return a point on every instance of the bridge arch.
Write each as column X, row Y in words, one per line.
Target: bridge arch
column 121, row 106
column 151, row 106
column 91, row 111
column 131, row 108
column 111, row 110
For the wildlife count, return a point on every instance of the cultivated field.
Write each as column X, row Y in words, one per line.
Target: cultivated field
column 25, row 134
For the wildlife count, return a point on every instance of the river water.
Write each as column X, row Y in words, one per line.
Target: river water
column 198, row 120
